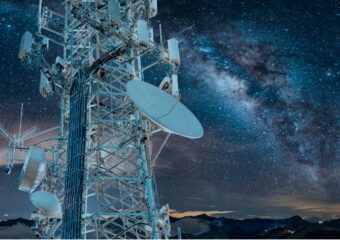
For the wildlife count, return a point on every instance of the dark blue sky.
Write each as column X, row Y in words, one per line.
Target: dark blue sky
column 264, row 79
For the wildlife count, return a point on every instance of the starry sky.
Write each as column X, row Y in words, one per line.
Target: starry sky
column 262, row 76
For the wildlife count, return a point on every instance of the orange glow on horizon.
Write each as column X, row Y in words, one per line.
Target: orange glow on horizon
column 175, row 214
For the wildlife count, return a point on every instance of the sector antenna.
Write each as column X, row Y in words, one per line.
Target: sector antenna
column 33, row 170
column 95, row 178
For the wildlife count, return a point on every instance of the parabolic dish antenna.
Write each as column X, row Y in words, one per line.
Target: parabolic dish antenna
column 46, row 202
column 33, row 170
column 164, row 110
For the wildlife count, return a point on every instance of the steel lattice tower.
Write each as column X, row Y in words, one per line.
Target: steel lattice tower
column 102, row 164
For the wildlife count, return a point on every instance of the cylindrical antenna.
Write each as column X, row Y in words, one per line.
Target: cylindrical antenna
column 160, row 35
column 39, row 16
column 20, row 124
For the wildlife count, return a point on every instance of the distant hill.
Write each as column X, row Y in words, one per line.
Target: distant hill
column 206, row 227
column 203, row 227
column 16, row 228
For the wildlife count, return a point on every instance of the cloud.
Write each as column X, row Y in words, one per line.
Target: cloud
column 175, row 214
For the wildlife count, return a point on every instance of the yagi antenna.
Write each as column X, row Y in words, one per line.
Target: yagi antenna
column 15, row 143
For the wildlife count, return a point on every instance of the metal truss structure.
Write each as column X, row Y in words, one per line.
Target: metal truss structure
column 101, row 163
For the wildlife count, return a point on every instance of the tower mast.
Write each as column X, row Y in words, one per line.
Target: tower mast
column 101, row 170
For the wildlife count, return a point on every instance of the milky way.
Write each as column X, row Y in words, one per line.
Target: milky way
column 266, row 74
column 305, row 129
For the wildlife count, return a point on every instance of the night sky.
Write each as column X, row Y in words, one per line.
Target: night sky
column 262, row 76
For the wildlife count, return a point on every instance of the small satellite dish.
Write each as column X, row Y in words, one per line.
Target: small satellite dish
column 33, row 170
column 46, row 202
column 164, row 110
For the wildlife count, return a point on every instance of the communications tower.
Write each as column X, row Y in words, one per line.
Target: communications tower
column 96, row 175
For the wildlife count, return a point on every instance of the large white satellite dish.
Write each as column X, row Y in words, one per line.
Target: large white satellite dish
column 164, row 110
column 33, row 170
column 46, row 202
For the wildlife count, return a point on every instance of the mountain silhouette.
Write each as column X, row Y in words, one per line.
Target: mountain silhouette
column 207, row 227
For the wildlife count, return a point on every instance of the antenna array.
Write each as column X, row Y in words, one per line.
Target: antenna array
column 98, row 171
